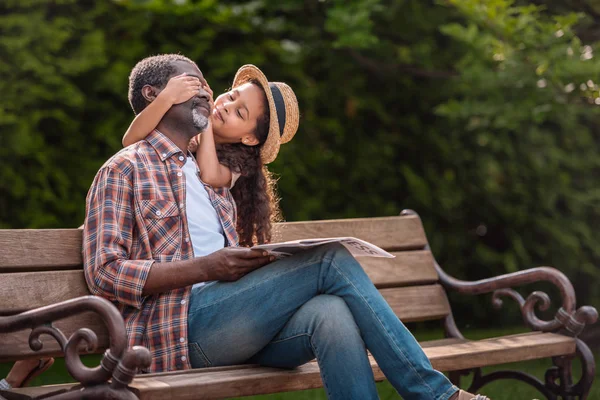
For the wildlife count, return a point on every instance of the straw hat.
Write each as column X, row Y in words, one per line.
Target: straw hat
column 283, row 110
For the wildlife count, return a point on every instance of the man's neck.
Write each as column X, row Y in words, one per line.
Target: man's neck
column 180, row 137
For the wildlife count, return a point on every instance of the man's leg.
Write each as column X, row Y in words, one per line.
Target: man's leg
column 231, row 321
column 23, row 371
column 324, row 328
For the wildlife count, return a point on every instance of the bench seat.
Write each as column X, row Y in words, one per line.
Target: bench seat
column 445, row 355
column 246, row 380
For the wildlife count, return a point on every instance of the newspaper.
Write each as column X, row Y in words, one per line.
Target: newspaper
column 357, row 247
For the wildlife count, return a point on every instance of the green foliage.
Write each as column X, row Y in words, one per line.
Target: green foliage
column 479, row 114
column 45, row 49
column 351, row 23
column 525, row 107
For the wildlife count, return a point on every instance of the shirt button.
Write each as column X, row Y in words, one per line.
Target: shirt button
column 164, row 155
column 187, row 240
column 180, row 205
column 182, row 301
column 183, row 358
column 158, row 213
column 181, row 158
column 179, row 174
column 182, row 340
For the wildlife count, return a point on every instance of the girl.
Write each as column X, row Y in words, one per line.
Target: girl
column 243, row 135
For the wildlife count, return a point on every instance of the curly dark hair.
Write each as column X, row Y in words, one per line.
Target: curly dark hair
column 154, row 71
column 254, row 192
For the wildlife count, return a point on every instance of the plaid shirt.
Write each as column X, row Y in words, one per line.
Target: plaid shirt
column 135, row 216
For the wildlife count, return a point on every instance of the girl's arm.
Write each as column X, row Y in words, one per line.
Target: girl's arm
column 179, row 89
column 211, row 171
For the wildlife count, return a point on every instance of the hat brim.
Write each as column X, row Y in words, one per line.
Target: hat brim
column 270, row 148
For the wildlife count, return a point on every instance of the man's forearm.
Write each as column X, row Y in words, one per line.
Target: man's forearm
column 228, row 264
column 174, row 275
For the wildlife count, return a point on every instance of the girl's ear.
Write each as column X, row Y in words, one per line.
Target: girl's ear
column 150, row 93
column 250, row 140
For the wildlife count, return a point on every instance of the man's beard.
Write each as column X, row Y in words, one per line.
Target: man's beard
column 199, row 120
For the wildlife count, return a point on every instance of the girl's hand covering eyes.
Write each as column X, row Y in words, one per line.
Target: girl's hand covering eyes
column 211, row 100
column 181, row 88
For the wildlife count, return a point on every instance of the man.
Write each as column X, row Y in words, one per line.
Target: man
column 138, row 253
column 23, row 372
column 135, row 202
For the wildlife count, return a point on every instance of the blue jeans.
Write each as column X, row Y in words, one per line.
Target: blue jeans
column 317, row 304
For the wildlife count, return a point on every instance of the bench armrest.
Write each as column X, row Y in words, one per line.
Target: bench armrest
column 118, row 363
column 568, row 317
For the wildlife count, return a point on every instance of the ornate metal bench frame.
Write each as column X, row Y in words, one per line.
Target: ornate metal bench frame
column 118, row 364
column 568, row 320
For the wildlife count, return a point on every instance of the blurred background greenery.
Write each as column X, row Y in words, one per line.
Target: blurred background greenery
column 481, row 115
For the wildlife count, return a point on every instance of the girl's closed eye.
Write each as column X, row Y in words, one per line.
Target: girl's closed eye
column 237, row 110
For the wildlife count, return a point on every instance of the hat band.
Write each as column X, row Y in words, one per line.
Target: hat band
column 279, row 106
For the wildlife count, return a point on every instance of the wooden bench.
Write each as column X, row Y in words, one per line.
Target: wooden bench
column 42, row 267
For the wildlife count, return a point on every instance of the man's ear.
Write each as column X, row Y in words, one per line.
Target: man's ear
column 150, row 93
column 250, row 140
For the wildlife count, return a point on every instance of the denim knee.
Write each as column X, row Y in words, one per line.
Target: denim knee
column 332, row 320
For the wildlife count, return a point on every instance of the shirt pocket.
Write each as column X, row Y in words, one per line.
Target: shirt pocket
column 162, row 220
column 159, row 209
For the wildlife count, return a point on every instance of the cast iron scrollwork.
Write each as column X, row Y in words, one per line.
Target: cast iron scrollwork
column 118, row 363
column 568, row 320
column 568, row 317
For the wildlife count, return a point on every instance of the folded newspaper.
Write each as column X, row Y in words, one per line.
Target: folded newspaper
column 357, row 247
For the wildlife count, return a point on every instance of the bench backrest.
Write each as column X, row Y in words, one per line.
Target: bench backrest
column 41, row 267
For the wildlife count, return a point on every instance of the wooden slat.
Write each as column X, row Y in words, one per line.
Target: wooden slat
column 408, row 268
column 205, row 384
column 24, row 250
column 418, row 303
column 442, row 342
column 39, row 249
column 45, row 390
column 389, row 233
column 28, row 290
column 247, row 380
column 501, row 350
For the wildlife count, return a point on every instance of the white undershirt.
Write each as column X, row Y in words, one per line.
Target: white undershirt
column 204, row 225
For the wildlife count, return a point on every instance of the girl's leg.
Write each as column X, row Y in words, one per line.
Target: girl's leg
column 324, row 328
column 231, row 321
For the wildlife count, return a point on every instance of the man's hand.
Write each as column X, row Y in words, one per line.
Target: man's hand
column 181, row 88
column 232, row 263
column 228, row 264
